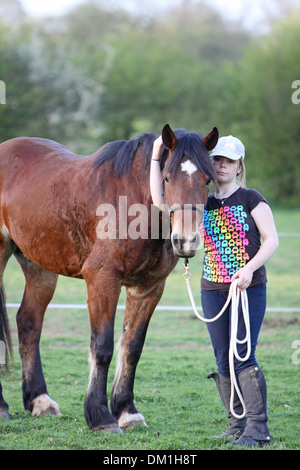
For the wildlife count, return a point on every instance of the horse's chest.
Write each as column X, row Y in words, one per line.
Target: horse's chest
column 155, row 268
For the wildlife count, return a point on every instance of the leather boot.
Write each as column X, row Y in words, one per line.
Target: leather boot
column 237, row 425
column 254, row 391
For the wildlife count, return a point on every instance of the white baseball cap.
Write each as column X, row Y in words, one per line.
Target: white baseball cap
column 229, row 147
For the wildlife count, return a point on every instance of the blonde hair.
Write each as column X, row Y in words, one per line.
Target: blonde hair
column 241, row 176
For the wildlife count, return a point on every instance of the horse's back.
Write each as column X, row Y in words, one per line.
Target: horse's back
column 29, row 149
column 36, row 166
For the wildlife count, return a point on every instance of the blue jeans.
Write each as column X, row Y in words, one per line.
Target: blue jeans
column 219, row 331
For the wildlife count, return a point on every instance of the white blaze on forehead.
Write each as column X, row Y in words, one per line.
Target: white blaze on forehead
column 189, row 167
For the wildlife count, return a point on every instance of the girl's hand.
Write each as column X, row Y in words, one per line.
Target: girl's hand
column 245, row 277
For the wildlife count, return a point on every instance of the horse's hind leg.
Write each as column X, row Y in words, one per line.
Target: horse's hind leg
column 3, row 406
column 5, row 347
column 39, row 289
column 6, row 249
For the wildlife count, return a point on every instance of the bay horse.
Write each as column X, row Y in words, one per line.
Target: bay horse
column 49, row 203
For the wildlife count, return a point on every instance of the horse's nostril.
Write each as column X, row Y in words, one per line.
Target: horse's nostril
column 177, row 241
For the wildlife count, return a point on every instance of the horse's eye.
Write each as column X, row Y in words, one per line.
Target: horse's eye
column 166, row 179
column 207, row 182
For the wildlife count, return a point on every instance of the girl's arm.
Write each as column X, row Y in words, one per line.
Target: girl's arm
column 263, row 218
column 156, row 185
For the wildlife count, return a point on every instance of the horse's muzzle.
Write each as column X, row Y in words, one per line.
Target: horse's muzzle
column 185, row 247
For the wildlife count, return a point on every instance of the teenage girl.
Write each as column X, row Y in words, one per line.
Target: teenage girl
column 235, row 219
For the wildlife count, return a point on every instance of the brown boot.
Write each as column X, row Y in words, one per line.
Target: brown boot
column 237, row 425
column 254, row 391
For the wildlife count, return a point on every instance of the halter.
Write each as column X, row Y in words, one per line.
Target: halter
column 187, row 207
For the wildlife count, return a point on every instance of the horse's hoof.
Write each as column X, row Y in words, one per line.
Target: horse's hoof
column 128, row 421
column 108, row 428
column 44, row 405
column 4, row 414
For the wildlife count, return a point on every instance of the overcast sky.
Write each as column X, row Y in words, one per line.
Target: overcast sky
column 254, row 15
column 250, row 10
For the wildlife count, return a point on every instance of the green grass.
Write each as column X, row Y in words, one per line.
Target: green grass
column 181, row 407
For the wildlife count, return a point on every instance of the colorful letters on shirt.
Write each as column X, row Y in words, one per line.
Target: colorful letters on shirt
column 225, row 234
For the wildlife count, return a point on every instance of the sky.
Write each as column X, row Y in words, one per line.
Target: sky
column 254, row 15
column 251, row 10
column 48, row 7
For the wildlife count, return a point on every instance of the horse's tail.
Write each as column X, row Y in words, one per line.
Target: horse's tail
column 5, row 338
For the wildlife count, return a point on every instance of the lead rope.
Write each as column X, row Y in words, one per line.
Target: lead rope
column 234, row 295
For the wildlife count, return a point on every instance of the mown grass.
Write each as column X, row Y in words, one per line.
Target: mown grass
column 181, row 407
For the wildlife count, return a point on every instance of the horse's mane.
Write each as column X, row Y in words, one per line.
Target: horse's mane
column 121, row 153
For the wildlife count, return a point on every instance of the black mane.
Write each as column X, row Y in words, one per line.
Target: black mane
column 121, row 153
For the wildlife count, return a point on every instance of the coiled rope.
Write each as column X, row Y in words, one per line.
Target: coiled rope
column 234, row 296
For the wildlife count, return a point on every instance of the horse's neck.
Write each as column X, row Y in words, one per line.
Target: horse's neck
column 140, row 181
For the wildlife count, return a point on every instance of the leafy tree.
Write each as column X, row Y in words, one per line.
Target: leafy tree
column 169, row 71
column 15, row 74
column 100, row 74
column 263, row 114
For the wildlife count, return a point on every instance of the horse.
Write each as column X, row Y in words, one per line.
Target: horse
column 50, row 203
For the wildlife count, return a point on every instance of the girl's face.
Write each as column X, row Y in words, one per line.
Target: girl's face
column 226, row 169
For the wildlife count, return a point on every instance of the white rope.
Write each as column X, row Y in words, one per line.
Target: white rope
column 234, row 296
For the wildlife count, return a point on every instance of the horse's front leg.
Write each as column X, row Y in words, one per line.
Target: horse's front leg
column 140, row 305
column 103, row 293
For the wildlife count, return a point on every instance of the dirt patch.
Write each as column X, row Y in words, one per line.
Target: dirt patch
column 281, row 322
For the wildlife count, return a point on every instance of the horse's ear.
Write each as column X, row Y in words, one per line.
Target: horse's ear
column 169, row 138
column 211, row 139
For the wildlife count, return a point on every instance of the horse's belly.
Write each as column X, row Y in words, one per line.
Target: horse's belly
column 53, row 258
column 52, row 250
column 56, row 237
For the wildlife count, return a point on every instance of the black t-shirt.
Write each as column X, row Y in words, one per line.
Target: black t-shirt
column 230, row 238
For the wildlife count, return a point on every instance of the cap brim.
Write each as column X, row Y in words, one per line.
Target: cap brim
column 227, row 154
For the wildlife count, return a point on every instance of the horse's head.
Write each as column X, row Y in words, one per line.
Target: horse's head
column 187, row 173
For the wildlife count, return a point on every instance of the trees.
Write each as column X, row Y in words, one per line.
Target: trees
column 265, row 116
column 169, row 71
column 100, row 74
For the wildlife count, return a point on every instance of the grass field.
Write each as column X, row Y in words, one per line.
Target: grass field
column 181, row 407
